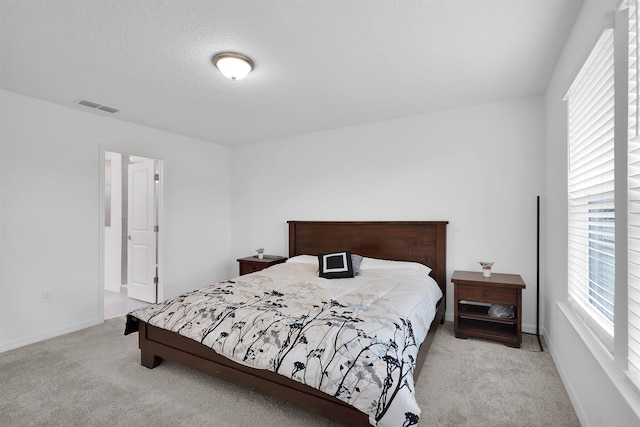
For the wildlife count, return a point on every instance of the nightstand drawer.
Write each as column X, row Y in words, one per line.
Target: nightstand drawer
column 250, row 267
column 252, row 264
column 487, row 294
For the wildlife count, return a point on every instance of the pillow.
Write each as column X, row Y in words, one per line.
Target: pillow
column 304, row 259
column 335, row 265
column 374, row 263
column 356, row 260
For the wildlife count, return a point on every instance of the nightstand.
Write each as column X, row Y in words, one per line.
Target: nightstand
column 252, row 264
column 474, row 294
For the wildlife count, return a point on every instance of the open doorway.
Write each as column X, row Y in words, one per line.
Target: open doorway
column 132, row 239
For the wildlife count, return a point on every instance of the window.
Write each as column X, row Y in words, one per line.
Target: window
column 592, row 205
column 591, row 272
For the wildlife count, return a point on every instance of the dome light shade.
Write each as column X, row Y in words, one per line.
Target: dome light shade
column 233, row 65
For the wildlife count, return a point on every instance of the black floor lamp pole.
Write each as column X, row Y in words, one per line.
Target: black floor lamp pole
column 538, row 274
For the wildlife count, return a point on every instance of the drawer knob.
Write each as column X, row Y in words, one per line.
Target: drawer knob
column 485, row 293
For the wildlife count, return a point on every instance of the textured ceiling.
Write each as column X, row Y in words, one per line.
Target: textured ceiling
column 319, row 64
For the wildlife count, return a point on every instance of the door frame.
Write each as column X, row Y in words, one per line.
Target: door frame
column 101, row 218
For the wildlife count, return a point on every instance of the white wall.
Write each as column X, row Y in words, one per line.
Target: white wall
column 3, row 325
column 599, row 392
column 479, row 168
column 475, row 167
column 50, row 175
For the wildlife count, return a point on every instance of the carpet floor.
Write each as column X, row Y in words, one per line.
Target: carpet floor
column 93, row 377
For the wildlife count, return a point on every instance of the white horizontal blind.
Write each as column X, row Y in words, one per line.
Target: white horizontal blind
column 591, row 269
column 633, row 69
column 633, row 199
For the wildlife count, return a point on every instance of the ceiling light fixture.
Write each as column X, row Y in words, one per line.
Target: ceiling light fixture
column 233, row 65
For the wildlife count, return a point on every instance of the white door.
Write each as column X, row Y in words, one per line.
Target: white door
column 141, row 252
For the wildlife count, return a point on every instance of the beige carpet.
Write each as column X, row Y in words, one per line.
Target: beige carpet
column 476, row 382
column 93, row 378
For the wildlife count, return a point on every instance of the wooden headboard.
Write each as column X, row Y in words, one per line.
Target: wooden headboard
column 418, row 241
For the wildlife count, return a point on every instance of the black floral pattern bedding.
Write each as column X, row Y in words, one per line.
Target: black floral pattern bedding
column 355, row 339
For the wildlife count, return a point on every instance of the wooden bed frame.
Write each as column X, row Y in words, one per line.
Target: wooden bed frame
column 418, row 241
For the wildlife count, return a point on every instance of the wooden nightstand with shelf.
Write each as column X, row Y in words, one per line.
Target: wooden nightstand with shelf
column 473, row 296
column 252, row 264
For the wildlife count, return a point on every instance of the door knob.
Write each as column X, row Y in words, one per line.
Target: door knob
column 129, row 236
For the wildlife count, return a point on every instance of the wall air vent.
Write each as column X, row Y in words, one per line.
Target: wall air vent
column 108, row 109
column 91, row 104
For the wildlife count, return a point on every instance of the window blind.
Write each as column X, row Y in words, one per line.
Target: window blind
column 633, row 200
column 591, row 207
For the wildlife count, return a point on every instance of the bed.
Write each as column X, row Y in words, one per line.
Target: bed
column 422, row 242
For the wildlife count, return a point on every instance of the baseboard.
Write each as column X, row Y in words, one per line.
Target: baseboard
column 113, row 287
column 52, row 334
column 573, row 396
column 530, row 329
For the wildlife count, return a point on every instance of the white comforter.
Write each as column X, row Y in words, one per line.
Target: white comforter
column 355, row 339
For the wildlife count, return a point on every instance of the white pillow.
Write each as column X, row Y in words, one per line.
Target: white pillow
column 304, row 259
column 374, row 263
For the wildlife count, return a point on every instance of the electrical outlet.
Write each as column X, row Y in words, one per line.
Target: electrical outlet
column 47, row 296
